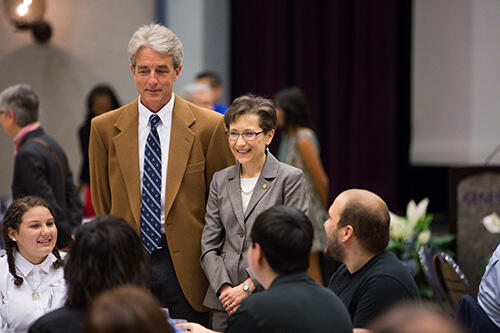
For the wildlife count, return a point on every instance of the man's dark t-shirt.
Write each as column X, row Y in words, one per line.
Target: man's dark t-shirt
column 380, row 283
column 293, row 303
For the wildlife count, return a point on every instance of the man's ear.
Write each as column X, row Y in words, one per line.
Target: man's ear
column 348, row 233
column 259, row 255
column 177, row 72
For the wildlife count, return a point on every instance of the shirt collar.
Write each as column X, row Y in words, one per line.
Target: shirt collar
column 292, row 277
column 26, row 267
column 165, row 113
column 22, row 133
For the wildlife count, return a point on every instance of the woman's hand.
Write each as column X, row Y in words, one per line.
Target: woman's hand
column 231, row 297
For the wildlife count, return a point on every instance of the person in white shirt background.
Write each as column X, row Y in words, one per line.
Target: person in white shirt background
column 31, row 272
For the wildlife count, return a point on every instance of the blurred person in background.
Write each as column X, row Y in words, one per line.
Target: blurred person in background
column 488, row 297
column 127, row 309
column 213, row 80
column 199, row 94
column 106, row 253
column 40, row 165
column 299, row 147
column 414, row 318
column 101, row 99
column 31, row 272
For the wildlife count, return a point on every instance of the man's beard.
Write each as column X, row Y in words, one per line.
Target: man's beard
column 334, row 249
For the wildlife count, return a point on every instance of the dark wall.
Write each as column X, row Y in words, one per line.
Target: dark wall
column 352, row 59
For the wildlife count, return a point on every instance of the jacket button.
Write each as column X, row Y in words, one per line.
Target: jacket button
column 238, row 251
column 241, row 233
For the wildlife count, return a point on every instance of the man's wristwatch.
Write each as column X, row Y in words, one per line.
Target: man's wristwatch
column 246, row 288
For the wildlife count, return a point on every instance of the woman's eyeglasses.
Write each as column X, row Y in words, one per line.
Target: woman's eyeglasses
column 247, row 136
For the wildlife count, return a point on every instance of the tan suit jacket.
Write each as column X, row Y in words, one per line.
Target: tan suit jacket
column 198, row 148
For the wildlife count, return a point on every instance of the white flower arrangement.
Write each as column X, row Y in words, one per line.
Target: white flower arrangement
column 406, row 228
column 492, row 223
column 408, row 233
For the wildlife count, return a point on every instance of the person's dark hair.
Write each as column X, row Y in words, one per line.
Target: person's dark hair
column 100, row 90
column 127, row 309
column 212, row 77
column 295, row 107
column 285, row 235
column 251, row 104
column 12, row 219
column 106, row 253
column 371, row 225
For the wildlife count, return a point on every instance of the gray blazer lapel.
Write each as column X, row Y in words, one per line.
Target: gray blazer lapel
column 233, row 186
column 264, row 183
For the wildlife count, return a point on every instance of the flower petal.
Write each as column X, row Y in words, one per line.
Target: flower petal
column 424, row 237
column 492, row 223
column 411, row 212
column 422, row 208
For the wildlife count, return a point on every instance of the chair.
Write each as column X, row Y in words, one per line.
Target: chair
column 451, row 278
column 425, row 255
column 471, row 315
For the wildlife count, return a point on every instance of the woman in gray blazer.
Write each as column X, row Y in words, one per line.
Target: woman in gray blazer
column 238, row 194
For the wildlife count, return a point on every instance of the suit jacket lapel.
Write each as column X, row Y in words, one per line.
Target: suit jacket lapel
column 127, row 150
column 235, row 194
column 181, row 140
column 269, row 172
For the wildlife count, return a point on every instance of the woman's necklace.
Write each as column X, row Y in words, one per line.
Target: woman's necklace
column 35, row 295
column 246, row 192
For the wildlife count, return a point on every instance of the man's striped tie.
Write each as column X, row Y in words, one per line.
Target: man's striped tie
column 151, row 189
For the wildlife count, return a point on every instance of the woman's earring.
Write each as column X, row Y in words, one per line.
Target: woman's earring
column 13, row 239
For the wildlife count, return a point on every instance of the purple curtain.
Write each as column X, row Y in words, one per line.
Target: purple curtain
column 352, row 59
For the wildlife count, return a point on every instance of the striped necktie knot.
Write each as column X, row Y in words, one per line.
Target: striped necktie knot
column 154, row 120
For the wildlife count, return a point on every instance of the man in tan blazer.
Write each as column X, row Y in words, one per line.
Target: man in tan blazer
column 193, row 147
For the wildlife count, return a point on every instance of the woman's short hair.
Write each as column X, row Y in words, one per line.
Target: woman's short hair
column 12, row 219
column 106, row 253
column 127, row 309
column 251, row 104
column 159, row 38
column 23, row 101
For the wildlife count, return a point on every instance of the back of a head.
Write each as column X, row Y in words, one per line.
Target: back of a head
column 106, row 253
column 23, row 101
column 127, row 309
column 414, row 318
column 285, row 235
column 369, row 216
column 295, row 106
